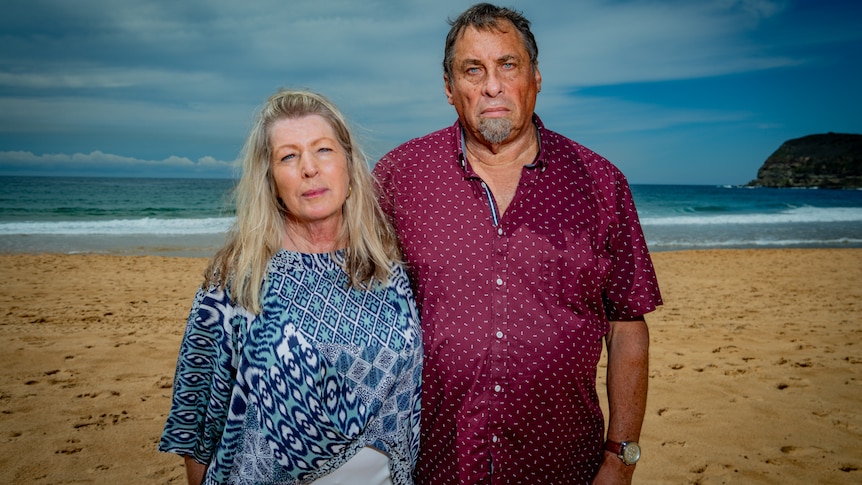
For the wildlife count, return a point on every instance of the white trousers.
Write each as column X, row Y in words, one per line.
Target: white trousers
column 368, row 467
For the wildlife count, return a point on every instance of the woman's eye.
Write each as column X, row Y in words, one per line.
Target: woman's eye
column 288, row 157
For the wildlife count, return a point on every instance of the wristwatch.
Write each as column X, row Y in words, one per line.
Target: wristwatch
column 628, row 451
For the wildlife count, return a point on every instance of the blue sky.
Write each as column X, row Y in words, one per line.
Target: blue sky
column 671, row 91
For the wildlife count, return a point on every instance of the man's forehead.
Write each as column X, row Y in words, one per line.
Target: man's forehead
column 502, row 42
column 501, row 28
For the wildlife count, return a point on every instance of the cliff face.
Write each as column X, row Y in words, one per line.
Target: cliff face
column 830, row 161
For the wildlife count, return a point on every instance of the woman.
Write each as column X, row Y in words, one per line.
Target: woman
column 301, row 360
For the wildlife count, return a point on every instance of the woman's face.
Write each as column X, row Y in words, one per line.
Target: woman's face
column 310, row 171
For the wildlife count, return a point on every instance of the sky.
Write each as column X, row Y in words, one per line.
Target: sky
column 671, row 91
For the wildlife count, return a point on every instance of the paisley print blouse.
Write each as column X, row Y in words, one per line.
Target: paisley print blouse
column 289, row 395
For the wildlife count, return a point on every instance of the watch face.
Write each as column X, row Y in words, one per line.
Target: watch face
column 631, row 453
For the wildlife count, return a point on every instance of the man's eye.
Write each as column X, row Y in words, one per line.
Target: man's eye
column 508, row 65
column 473, row 70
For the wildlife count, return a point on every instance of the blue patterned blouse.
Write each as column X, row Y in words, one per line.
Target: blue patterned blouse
column 290, row 395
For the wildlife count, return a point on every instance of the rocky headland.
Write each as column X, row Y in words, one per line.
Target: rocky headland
column 827, row 161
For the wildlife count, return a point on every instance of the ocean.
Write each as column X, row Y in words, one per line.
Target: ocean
column 189, row 217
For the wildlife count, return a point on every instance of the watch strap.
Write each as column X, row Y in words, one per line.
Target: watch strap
column 614, row 447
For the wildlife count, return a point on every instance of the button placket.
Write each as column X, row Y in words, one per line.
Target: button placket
column 498, row 374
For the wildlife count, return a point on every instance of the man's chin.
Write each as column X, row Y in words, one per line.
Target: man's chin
column 495, row 130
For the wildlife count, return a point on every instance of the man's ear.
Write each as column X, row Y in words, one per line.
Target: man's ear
column 538, row 78
column 448, row 88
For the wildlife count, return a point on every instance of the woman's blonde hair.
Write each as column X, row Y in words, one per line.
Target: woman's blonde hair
column 241, row 264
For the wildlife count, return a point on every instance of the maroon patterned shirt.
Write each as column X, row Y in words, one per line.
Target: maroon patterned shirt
column 514, row 307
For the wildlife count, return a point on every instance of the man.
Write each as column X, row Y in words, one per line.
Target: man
column 525, row 252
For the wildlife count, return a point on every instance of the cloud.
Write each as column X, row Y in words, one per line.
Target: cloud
column 645, row 41
column 69, row 77
column 98, row 163
column 150, row 80
column 608, row 115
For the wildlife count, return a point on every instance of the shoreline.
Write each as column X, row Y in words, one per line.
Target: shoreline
column 206, row 245
column 755, row 375
column 185, row 245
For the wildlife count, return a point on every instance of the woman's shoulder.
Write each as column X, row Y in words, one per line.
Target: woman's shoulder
column 397, row 275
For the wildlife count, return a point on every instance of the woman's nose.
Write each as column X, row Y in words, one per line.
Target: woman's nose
column 309, row 166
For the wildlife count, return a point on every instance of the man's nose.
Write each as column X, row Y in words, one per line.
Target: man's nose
column 492, row 86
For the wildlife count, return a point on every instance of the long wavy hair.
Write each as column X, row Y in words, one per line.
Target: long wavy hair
column 240, row 265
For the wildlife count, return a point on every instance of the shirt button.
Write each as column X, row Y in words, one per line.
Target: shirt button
column 498, row 388
column 499, row 231
column 499, row 281
column 494, row 438
column 499, row 334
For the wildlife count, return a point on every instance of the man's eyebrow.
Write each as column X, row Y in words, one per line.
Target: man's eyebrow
column 477, row 62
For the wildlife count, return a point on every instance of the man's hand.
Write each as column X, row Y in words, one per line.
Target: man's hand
column 614, row 472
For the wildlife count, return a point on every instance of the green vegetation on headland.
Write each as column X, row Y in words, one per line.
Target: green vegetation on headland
column 828, row 161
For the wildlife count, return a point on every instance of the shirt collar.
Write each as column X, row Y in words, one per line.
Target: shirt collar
column 540, row 161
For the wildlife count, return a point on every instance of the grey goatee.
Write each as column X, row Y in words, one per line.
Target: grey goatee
column 495, row 130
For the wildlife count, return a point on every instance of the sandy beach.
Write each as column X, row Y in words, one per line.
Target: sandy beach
column 756, row 367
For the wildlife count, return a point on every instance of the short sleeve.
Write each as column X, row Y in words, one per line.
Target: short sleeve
column 203, row 382
column 633, row 287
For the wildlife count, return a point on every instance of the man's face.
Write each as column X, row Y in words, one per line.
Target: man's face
column 493, row 86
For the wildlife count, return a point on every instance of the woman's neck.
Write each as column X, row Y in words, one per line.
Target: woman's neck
column 310, row 238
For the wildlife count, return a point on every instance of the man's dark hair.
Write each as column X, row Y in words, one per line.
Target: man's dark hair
column 484, row 16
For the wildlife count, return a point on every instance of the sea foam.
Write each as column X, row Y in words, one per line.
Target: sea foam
column 149, row 226
column 790, row 216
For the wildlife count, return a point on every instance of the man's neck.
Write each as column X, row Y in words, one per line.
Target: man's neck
column 499, row 166
column 506, row 156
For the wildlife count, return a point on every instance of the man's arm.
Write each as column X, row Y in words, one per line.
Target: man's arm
column 628, row 373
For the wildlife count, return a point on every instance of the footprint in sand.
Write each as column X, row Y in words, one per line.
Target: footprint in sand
column 680, row 415
column 102, row 420
column 674, row 443
column 71, row 448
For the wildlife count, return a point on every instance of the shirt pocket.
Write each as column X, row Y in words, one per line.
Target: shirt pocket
column 577, row 272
